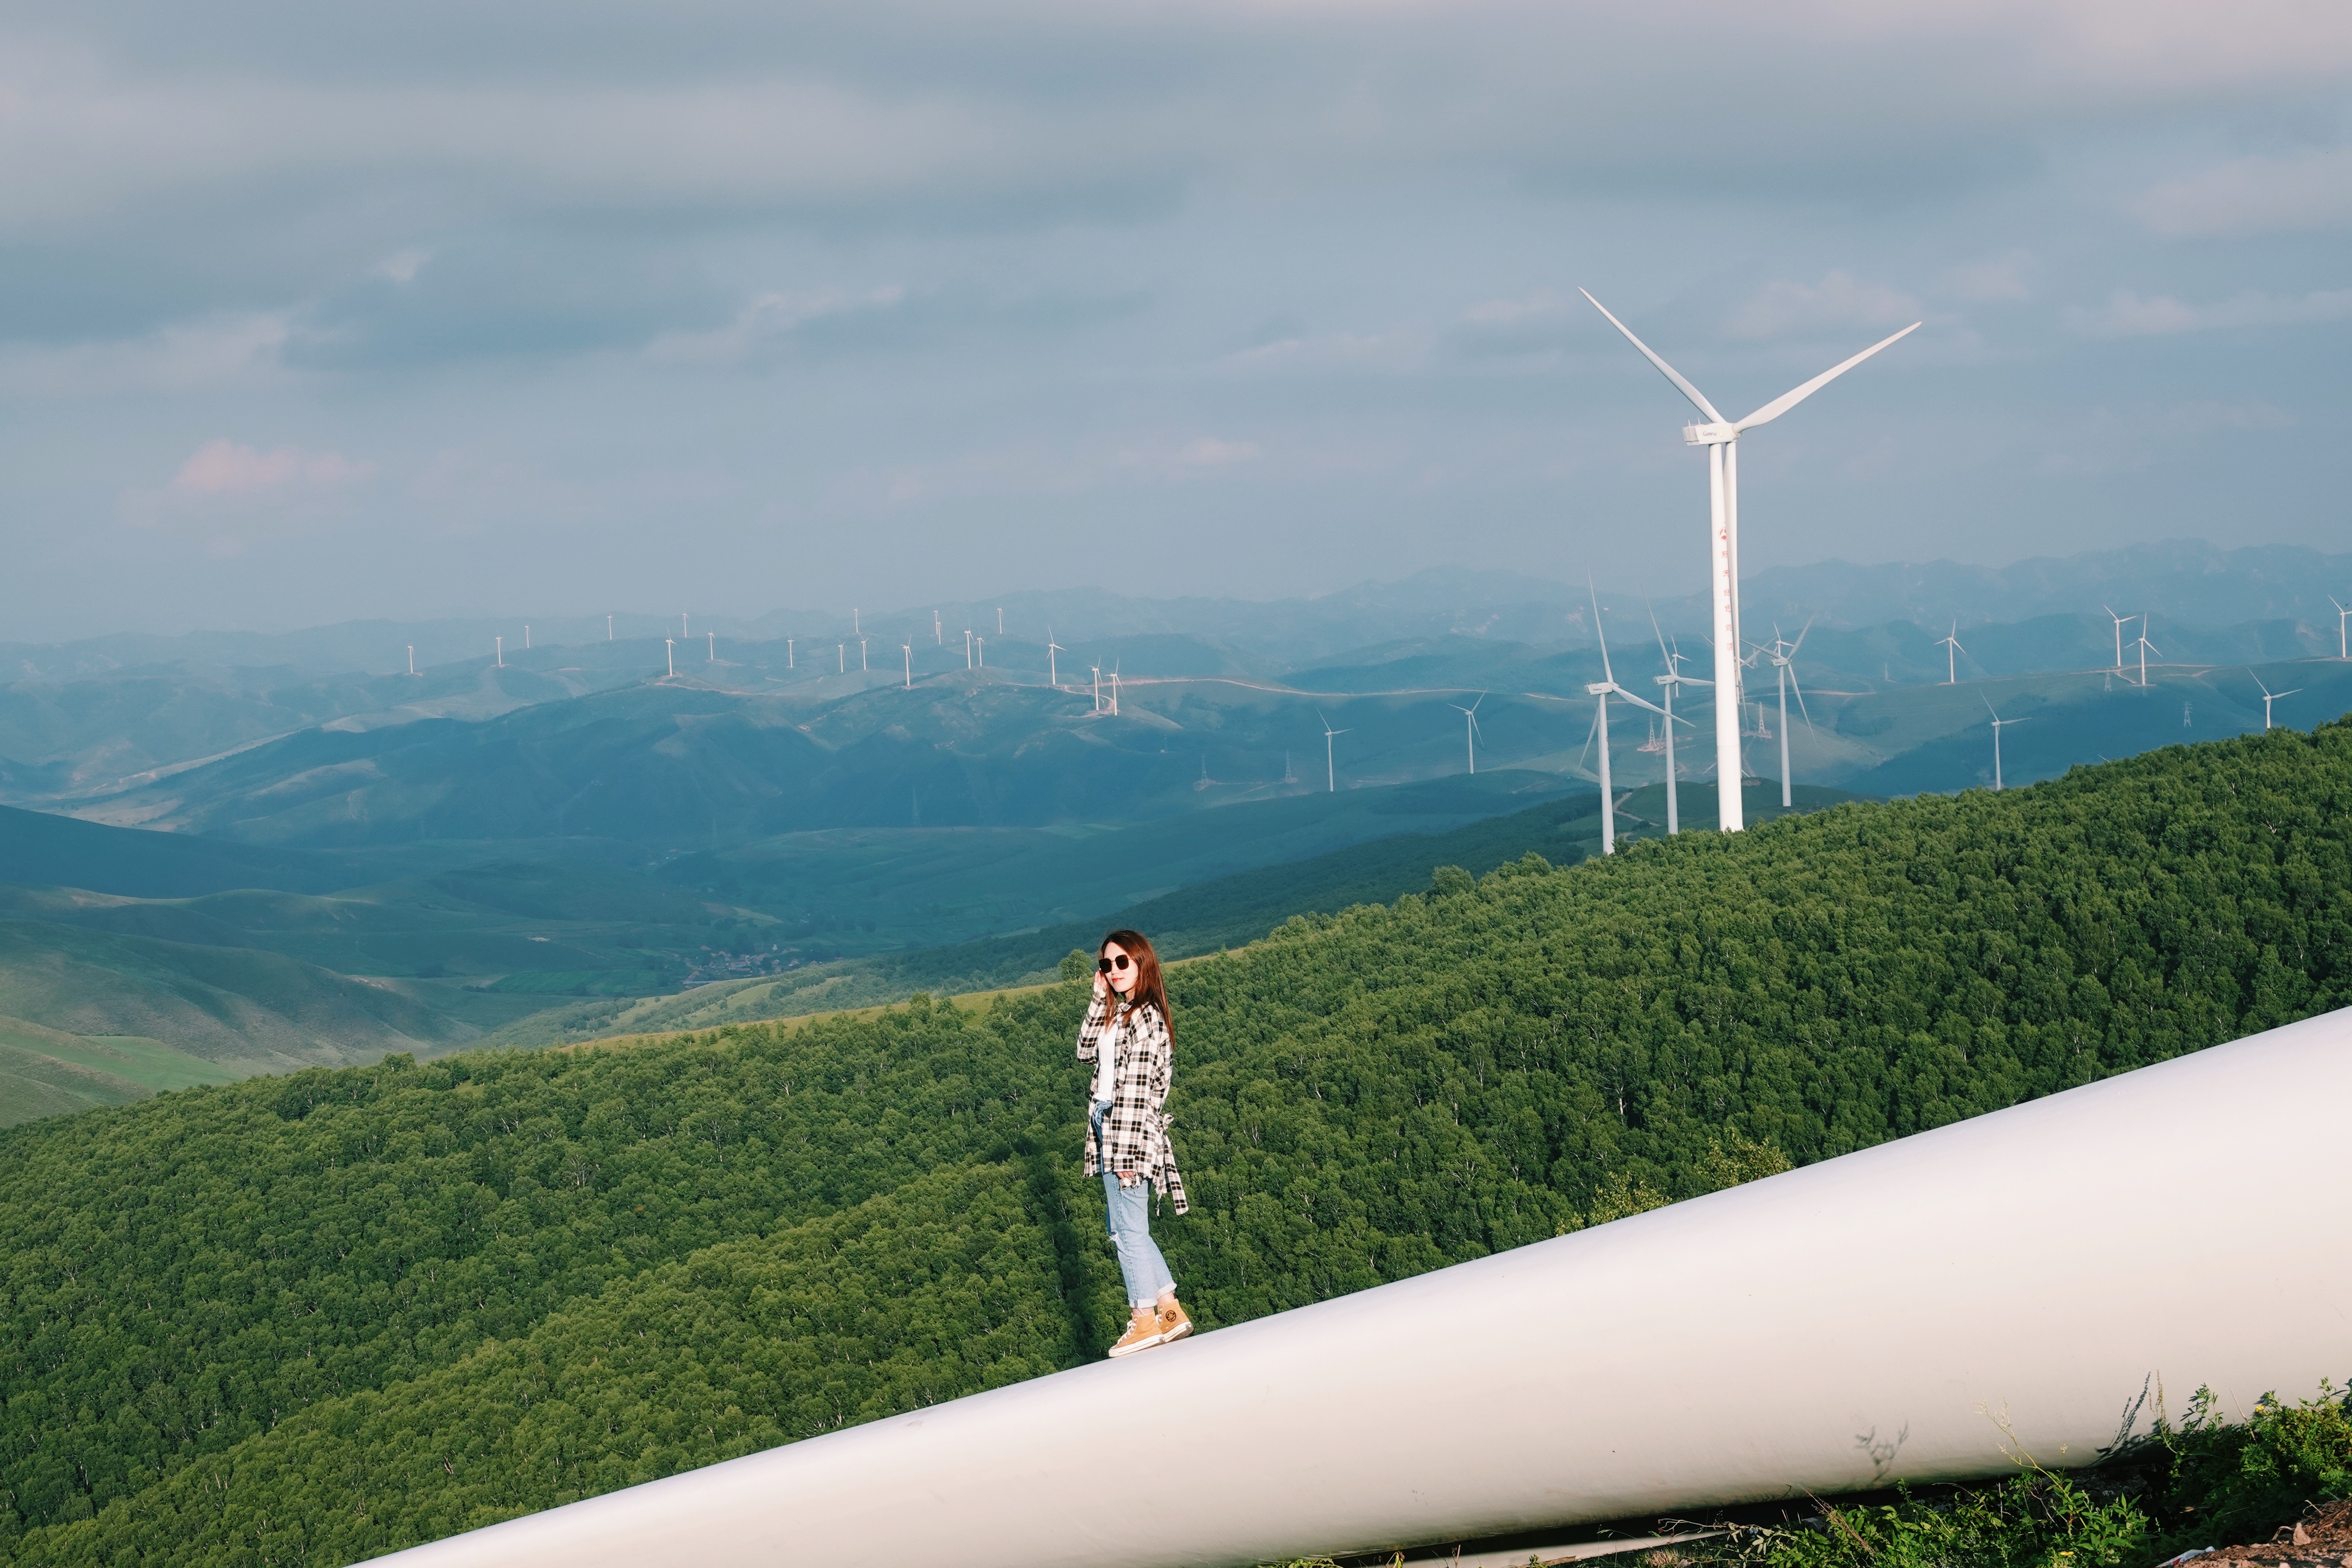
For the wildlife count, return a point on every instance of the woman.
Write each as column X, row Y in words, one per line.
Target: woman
column 1126, row 1036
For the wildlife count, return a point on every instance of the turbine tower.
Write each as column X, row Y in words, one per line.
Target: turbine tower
column 1673, row 678
column 526, row 637
column 1601, row 691
column 967, row 647
column 981, row 646
column 1469, row 728
column 1098, row 669
column 502, row 646
column 2270, row 697
column 2146, row 647
column 2342, row 611
column 669, row 652
column 681, row 626
column 1950, row 644
column 2120, row 621
column 1053, row 670
column 790, row 663
column 861, row 655
column 1784, row 661
column 1113, row 691
column 937, row 636
column 412, row 659
column 1330, row 772
column 1000, row 620
column 713, row 655
column 1721, row 439
column 908, row 649
column 608, row 629
column 1997, row 722
column 841, row 658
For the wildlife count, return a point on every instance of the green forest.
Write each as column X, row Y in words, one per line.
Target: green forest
column 323, row 1315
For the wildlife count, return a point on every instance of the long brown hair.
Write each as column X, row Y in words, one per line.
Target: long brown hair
column 1148, row 985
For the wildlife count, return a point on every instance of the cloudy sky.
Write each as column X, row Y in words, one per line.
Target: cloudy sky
column 317, row 311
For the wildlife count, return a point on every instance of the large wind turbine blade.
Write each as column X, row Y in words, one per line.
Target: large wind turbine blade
column 1801, row 697
column 1661, row 633
column 1617, row 690
column 1588, row 739
column 1788, row 400
column 1669, row 371
column 1800, row 641
column 1606, row 673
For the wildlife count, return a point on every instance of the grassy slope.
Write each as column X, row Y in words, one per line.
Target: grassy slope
column 1360, row 1099
column 46, row 1072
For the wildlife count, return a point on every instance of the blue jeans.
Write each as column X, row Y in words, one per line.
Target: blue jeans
column 1129, row 1215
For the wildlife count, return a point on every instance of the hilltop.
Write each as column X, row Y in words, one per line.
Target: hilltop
column 526, row 1277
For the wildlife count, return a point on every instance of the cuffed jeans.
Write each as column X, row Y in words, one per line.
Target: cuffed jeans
column 1130, row 1215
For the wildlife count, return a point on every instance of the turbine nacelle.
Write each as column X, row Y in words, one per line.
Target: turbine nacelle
column 1710, row 435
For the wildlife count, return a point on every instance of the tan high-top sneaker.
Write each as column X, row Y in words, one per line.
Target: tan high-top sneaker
column 1142, row 1333
column 1173, row 1324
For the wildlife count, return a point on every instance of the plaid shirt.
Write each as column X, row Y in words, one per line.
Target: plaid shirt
column 1135, row 1128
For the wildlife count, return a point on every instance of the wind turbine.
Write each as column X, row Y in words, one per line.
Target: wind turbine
column 1098, row 669
column 967, row 647
column 937, row 636
column 1000, row 620
column 1114, row 690
column 862, row 665
column 1997, row 722
column 608, row 629
column 2341, row 612
column 681, row 626
column 501, row 643
column 1785, row 663
column 1470, row 728
column 2120, row 621
column 981, row 645
column 526, row 637
column 1601, row 691
column 669, row 652
column 2146, row 647
column 856, row 630
column 1721, row 439
column 2270, row 697
column 412, row 659
column 1950, row 644
column 908, row 649
column 1053, row 670
column 790, row 663
column 1330, row 772
column 841, row 658
column 713, row 658
column 1673, row 678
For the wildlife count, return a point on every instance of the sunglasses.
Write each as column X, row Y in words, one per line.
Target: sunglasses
column 1104, row 967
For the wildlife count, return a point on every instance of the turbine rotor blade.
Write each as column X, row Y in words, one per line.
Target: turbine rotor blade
column 1617, row 690
column 1669, row 371
column 1606, row 673
column 1788, row 400
column 1801, row 698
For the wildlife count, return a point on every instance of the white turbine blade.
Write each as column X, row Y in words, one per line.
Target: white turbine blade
column 1617, row 690
column 1788, row 400
column 2288, row 692
column 1669, row 371
column 1800, row 641
column 1606, row 674
column 1593, row 731
column 1660, row 635
column 1474, row 707
column 1800, row 698
column 2261, row 688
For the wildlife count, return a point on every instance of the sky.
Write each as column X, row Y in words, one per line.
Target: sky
column 320, row 312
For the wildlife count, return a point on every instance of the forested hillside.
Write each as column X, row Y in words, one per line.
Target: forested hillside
column 318, row 1317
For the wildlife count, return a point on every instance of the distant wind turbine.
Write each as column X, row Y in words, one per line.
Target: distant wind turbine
column 1952, row 650
column 682, row 633
column 1098, row 669
column 2270, row 697
column 1331, row 771
column 967, row 647
column 501, row 643
column 790, row 663
column 2146, row 647
column 1114, row 690
column 840, row 658
column 412, row 659
column 854, row 629
column 1673, row 678
column 2342, row 611
column 608, row 629
column 526, row 637
column 1784, row 661
column 1470, row 728
column 981, row 646
column 669, row 652
column 713, row 658
column 861, row 655
column 1997, row 722
column 908, row 649
column 937, row 636
column 1000, row 620
column 2120, row 622
column 1053, row 670
column 1601, row 691
column 1721, row 439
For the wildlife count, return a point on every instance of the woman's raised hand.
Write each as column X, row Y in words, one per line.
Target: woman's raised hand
column 1102, row 985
